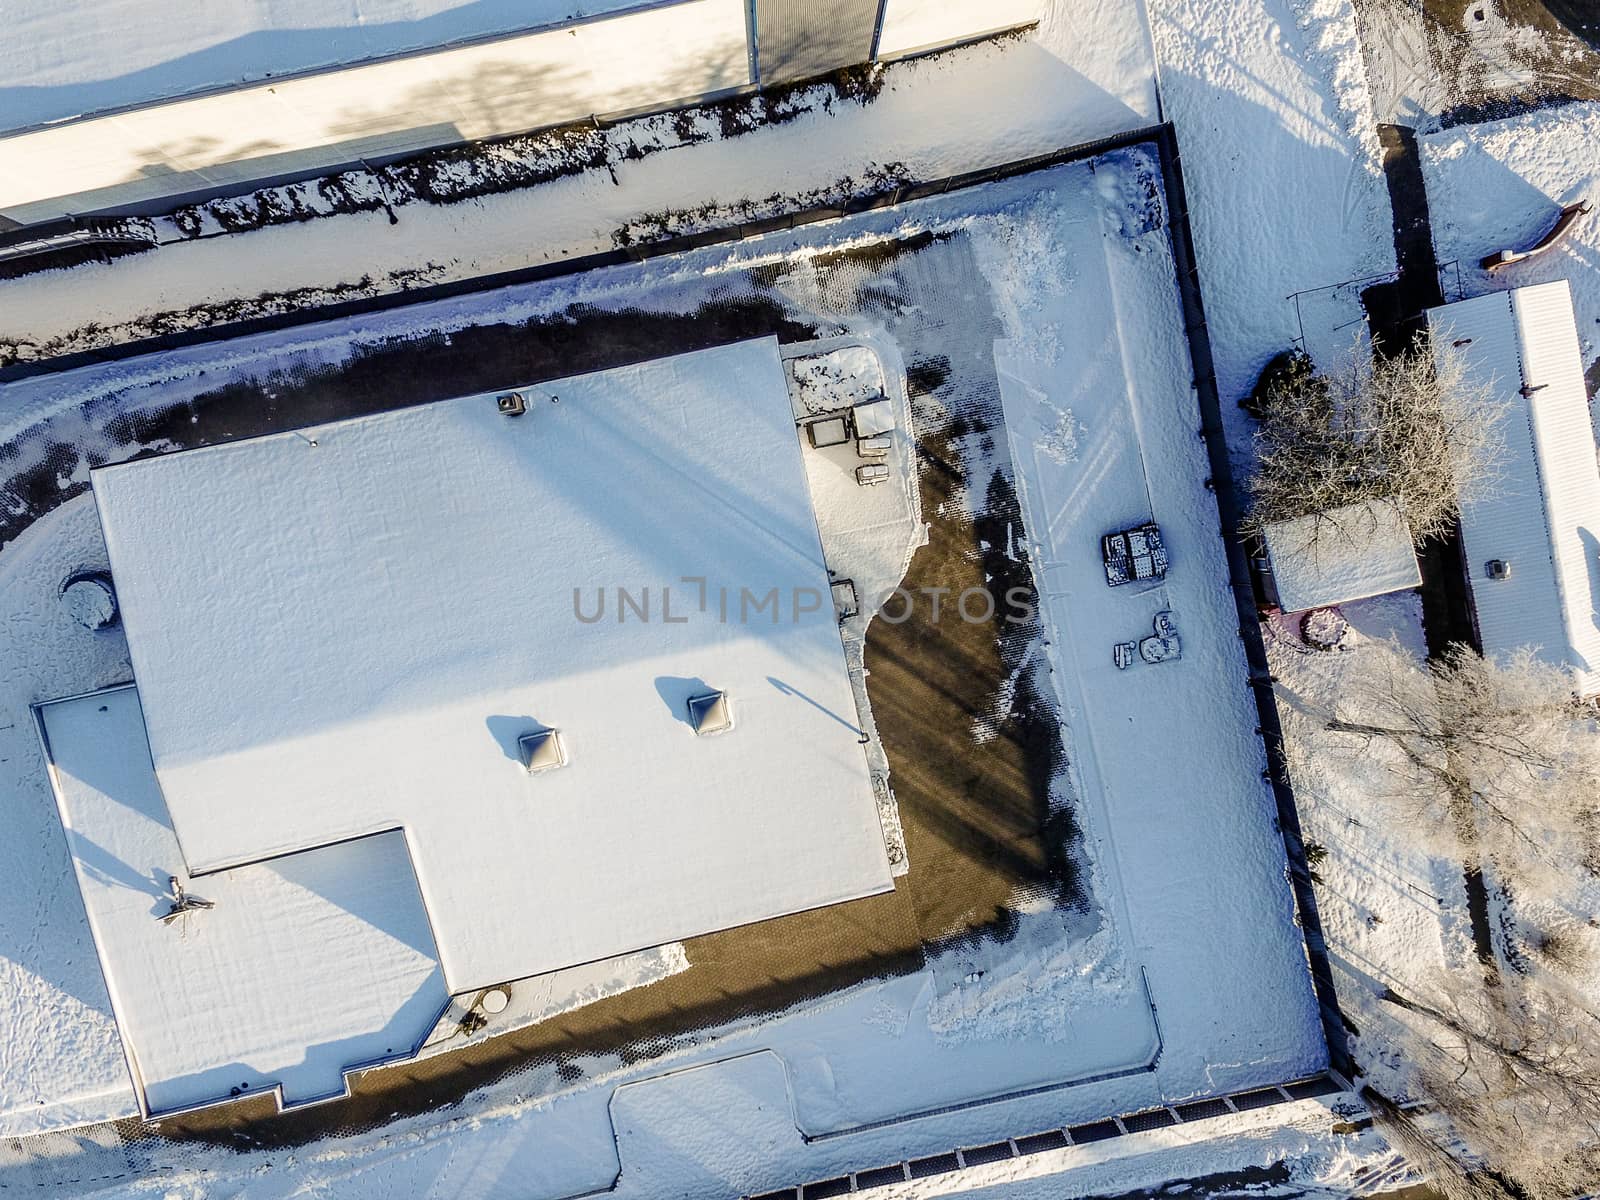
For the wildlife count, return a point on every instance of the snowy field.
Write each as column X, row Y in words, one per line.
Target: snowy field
column 1067, row 303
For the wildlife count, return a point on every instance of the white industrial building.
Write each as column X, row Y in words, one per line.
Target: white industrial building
column 1532, row 544
column 210, row 98
column 378, row 723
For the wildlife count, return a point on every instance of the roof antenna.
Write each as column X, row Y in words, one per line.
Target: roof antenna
column 182, row 902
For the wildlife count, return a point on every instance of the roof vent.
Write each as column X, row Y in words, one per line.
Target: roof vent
column 710, row 713
column 542, row 750
column 1497, row 568
column 512, row 404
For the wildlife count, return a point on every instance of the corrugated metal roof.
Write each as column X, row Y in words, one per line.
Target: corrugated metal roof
column 1543, row 517
column 1351, row 552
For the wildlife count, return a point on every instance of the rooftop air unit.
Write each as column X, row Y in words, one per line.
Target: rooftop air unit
column 710, row 713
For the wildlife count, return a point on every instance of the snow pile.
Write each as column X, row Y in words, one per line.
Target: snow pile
column 545, row 996
column 1060, row 445
column 1030, row 987
column 837, row 379
column 1333, row 45
column 90, row 602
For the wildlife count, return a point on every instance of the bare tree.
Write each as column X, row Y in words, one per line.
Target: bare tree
column 1496, row 762
column 1512, row 1065
column 1415, row 430
column 1498, row 758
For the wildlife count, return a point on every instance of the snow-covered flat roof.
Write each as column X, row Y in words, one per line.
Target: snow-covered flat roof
column 304, row 124
column 1349, row 553
column 61, row 60
column 349, row 629
column 1543, row 518
column 307, row 966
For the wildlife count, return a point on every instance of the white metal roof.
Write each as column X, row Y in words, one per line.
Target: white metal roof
column 307, row 966
column 349, row 629
column 1544, row 516
column 303, row 124
column 1351, row 552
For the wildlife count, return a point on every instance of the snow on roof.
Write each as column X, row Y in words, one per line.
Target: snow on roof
column 61, row 60
column 647, row 57
column 1351, row 552
column 350, row 628
column 307, row 966
column 1543, row 519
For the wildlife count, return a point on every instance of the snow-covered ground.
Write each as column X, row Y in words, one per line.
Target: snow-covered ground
column 1185, row 866
column 1501, row 185
column 1282, row 166
column 60, row 1057
column 1428, row 70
